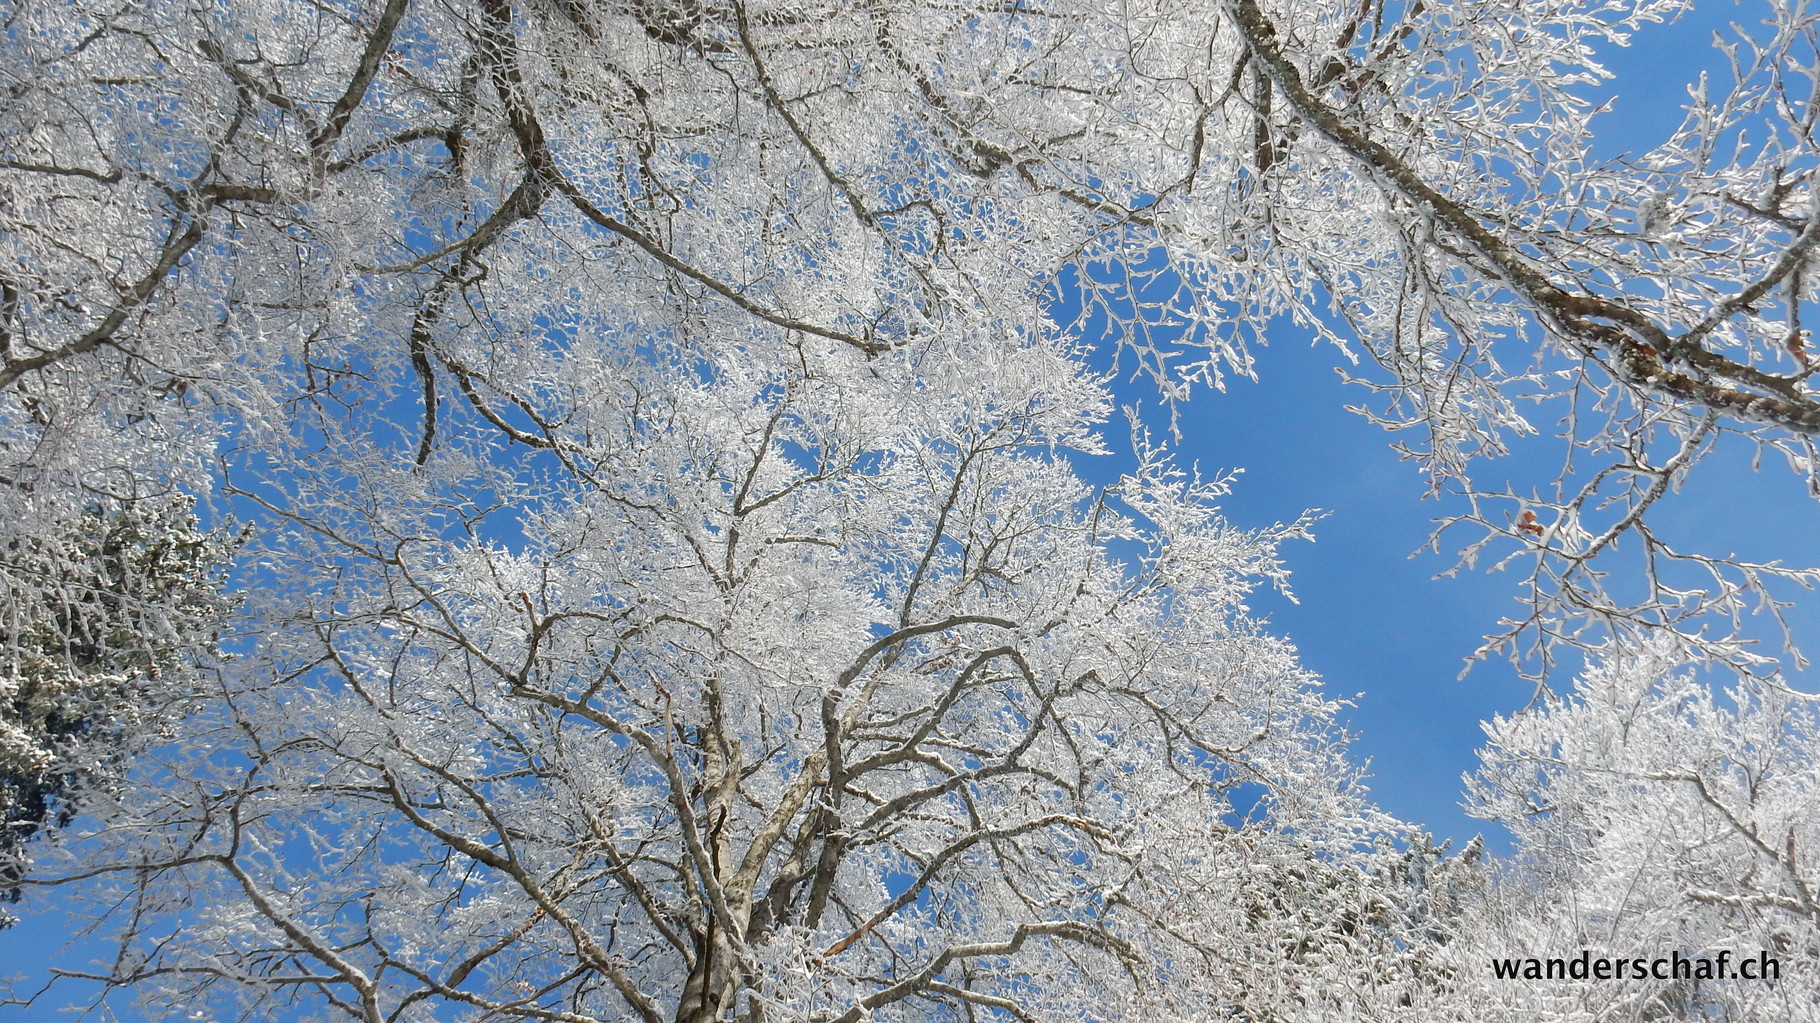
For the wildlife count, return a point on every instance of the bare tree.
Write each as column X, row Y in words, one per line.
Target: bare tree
column 1650, row 304
column 672, row 599
column 1654, row 818
column 794, row 694
column 328, row 190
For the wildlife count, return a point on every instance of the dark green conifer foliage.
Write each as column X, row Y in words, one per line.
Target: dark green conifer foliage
column 100, row 634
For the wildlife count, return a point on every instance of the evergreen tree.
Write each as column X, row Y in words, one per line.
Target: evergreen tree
column 100, row 630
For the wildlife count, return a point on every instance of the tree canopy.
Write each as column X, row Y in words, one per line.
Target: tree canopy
column 668, row 589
